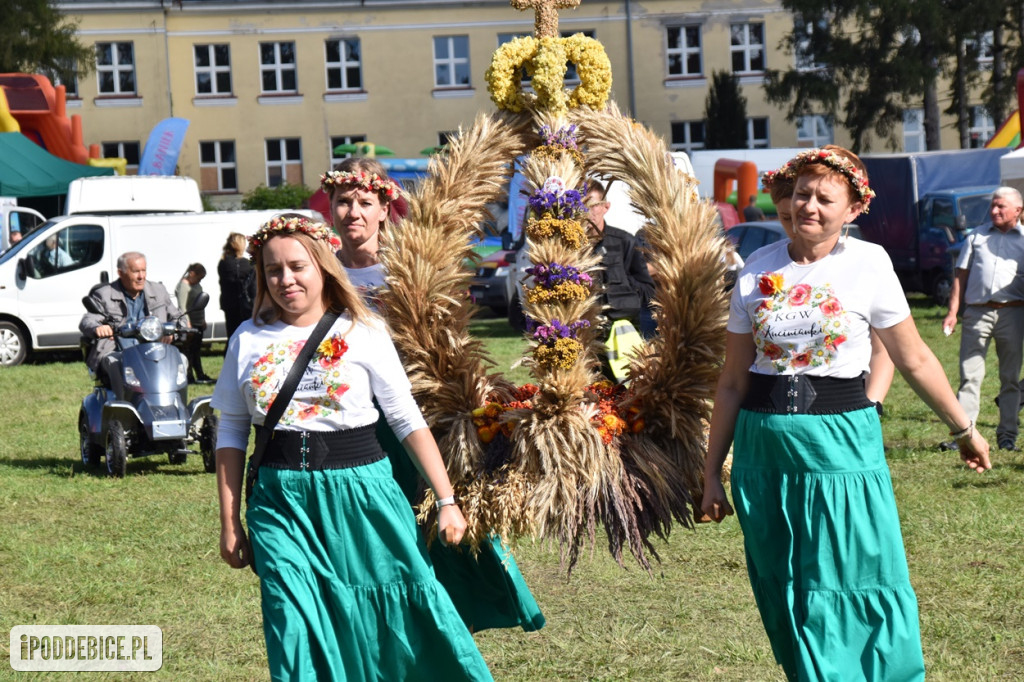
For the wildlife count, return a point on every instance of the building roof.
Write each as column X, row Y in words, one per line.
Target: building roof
column 28, row 170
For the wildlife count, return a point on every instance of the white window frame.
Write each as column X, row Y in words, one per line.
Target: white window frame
column 687, row 144
column 804, row 61
column 913, row 130
column 684, row 51
column 70, row 89
column 279, row 68
column 219, row 164
column 983, row 43
column 343, row 64
column 116, row 68
column 285, row 161
column 982, row 128
column 759, row 142
column 451, row 63
column 213, row 69
column 747, row 48
column 118, row 153
column 335, row 140
column 814, row 130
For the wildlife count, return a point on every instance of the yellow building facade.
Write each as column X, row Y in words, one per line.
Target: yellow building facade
column 271, row 88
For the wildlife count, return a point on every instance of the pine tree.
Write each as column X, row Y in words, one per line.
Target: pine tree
column 725, row 113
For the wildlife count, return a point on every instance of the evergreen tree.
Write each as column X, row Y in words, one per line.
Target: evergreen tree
column 725, row 113
column 35, row 37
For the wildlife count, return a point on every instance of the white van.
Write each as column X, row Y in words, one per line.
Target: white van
column 41, row 293
column 16, row 219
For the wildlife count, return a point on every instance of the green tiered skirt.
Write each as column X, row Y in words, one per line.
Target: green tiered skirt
column 824, row 550
column 347, row 587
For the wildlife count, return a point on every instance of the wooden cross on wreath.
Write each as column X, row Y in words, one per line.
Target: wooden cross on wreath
column 545, row 21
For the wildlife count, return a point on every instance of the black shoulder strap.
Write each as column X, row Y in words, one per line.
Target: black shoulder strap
column 284, row 396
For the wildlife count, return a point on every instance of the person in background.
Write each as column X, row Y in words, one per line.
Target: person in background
column 488, row 589
column 989, row 281
column 752, row 211
column 237, row 285
column 881, row 369
column 53, row 256
column 346, row 587
column 809, row 478
column 186, row 292
column 128, row 300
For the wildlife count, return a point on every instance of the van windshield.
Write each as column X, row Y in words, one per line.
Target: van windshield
column 13, row 252
column 975, row 209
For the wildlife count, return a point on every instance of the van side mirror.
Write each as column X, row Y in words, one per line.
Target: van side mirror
column 506, row 240
column 20, row 270
column 961, row 223
column 202, row 299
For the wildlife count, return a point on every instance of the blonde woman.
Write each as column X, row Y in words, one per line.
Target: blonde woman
column 236, row 282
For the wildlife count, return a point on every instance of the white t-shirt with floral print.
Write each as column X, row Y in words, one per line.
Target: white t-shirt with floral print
column 815, row 319
column 351, row 366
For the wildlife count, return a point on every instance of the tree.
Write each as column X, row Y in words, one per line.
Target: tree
column 874, row 58
column 283, row 196
column 35, row 37
column 725, row 113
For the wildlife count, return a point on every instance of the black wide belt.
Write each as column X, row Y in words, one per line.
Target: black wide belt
column 319, row 450
column 804, row 394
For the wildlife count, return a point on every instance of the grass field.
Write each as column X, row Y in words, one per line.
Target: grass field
column 79, row 548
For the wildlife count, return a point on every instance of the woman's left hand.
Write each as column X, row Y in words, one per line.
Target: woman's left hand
column 975, row 452
column 451, row 525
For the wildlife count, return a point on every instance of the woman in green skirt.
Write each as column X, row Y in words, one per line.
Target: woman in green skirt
column 347, row 589
column 487, row 588
column 809, row 479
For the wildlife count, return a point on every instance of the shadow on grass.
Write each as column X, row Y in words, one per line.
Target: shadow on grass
column 980, row 484
column 67, row 467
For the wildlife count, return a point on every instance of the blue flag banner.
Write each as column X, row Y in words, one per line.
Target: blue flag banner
column 160, row 156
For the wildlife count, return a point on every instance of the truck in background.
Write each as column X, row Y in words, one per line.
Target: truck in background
column 925, row 203
column 41, row 294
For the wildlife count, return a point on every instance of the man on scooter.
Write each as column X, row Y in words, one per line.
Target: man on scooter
column 130, row 299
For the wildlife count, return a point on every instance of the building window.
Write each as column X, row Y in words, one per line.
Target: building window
column 115, row 68
column 747, row 47
column 218, row 171
column 757, row 133
column 451, row 61
column 277, row 67
column 66, row 76
column 129, row 151
column 982, row 127
column 213, row 69
column 803, row 50
column 571, row 76
column 981, row 49
column 687, row 136
column 344, row 64
column 284, row 161
column 338, row 140
column 913, row 130
column 814, row 131
column 446, row 136
column 683, row 51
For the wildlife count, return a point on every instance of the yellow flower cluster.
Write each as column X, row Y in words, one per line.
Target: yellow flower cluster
column 549, row 75
column 553, row 153
column 563, row 291
column 594, row 69
column 563, row 354
column 503, row 73
column 547, row 226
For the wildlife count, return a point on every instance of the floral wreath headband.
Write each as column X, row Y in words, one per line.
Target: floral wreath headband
column 370, row 182
column 836, row 162
column 290, row 225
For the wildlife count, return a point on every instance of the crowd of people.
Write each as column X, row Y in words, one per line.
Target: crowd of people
column 817, row 325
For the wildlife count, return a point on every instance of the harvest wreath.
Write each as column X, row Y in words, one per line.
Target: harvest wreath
column 554, row 458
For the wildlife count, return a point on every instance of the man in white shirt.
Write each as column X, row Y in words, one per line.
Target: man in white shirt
column 990, row 279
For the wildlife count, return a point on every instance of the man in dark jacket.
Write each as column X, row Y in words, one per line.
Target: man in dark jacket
column 129, row 299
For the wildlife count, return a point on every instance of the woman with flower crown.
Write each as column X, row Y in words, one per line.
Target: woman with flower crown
column 809, row 479
column 347, row 589
column 488, row 589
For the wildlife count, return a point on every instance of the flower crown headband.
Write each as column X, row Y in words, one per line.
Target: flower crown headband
column 836, row 162
column 370, row 182
column 291, row 225
column 768, row 178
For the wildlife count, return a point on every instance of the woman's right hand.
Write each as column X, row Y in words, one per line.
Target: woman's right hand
column 234, row 545
column 975, row 452
column 715, row 504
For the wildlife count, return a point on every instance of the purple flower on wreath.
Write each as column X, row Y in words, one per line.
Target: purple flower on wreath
column 551, row 275
column 568, row 203
column 565, row 137
column 547, row 334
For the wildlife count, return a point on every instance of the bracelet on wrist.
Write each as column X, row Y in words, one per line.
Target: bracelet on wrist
column 445, row 502
column 965, row 433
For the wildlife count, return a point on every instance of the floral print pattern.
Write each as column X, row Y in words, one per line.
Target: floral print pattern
column 321, row 387
column 798, row 327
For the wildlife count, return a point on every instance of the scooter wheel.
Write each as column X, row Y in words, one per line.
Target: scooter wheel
column 91, row 453
column 117, row 449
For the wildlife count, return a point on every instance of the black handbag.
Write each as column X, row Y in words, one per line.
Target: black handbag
column 279, row 404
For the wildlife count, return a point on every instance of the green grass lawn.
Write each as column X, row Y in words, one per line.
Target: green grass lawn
column 79, row 548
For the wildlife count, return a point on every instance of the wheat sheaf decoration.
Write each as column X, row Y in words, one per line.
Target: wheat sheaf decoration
column 556, row 457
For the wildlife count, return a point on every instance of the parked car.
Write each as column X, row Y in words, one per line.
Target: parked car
column 749, row 237
column 489, row 286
